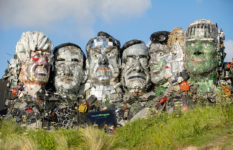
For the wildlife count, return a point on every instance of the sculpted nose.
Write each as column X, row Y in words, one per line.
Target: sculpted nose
column 103, row 60
column 43, row 60
column 197, row 53
column 138, row 66
column 67, row 71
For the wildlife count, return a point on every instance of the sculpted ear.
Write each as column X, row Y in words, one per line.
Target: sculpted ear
column 123, row 65
column 23, row 75
column 87, row 64
column 119, row 62
column 86, row 71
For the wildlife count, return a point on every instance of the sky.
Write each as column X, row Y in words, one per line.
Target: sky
column 77, row 21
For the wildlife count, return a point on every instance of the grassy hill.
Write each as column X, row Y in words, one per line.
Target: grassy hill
column 205, row 127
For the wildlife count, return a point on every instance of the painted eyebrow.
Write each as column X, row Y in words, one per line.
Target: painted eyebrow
column 141, row 56
column 97, row 49
column 75, row 59
column 109, row 49
column 158, row 51
column 60, row 59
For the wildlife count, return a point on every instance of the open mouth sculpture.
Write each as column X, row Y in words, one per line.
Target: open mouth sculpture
column 41, row 72
column 103, row 69
column 103, row 73
column 66, row 79
column 137, row 77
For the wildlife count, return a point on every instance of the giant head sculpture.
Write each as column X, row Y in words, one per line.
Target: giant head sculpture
column 135, row 76
column 160, row 68
column 69, row 63
column 34, row 50
column 103, row 60
column 202, row 46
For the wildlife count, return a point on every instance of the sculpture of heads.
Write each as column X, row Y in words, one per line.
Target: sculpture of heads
column 160, row 69
column 103, row 60
column 135, row 70
column 69, row 63
column 34, row 50
column 202, row 39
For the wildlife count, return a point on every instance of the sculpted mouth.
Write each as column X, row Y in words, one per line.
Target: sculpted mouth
column 42, row 74
column 66, row 80
column 198, row 60
column 103, row 69
column 41, row 70
column 137, row 77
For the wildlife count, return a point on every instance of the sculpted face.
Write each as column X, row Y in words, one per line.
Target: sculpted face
column 103, row 61
column 159, row 66
column 201, row 56
column 135, row 72
column 36, row 68
column 68, row 68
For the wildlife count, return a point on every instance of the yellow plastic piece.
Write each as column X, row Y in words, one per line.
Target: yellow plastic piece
column 82, row 108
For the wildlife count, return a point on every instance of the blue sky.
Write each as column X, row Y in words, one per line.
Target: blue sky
column 79, row 20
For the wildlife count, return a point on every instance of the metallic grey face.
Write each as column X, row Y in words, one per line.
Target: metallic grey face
column 69, row 69
column 135, row 74
column 103, row 61
column 160, row 68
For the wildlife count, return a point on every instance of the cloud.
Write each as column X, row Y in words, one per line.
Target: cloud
column 229, row 50
column 46, row 13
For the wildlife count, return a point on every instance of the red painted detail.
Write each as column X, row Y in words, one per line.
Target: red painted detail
column 87, row 104
column 124, row 108
column 29, row 110
column 14, row 92
column 161, row 101
column 35, row 59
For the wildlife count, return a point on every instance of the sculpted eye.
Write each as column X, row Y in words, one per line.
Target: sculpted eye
column 142, row 56
column 130, row 56
column 160, row 54
column 75, row 59
column 35, row 58
column 60, row 66
column 96, row 55
column 47, row 59
column 60, row 59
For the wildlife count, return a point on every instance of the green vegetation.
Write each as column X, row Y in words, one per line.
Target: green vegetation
column 200, row 127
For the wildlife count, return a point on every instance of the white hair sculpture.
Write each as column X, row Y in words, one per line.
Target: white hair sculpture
column 32, row 41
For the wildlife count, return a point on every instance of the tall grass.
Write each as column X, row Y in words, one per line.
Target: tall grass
column 173, row 131
column 163, row 131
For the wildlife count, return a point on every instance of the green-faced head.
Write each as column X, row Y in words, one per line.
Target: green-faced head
column 201, row 47
column 201, row 56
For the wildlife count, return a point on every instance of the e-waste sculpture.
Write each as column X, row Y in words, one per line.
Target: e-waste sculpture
column 102, row 88
column 34, row 52
column 204, row 56
column 135, row 76
column 69, row 77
